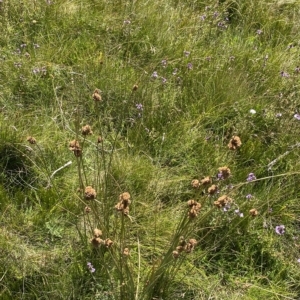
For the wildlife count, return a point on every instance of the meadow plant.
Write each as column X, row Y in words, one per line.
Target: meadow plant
column 169, row 182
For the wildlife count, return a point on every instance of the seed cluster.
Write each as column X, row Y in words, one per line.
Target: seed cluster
column 184, row 246
column 123, row 204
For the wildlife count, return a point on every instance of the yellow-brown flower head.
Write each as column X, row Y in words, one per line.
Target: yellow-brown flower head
column 31, row 140
column 99, row 139
column 87, row 209
column 213, row 189
column 195, row 183
column 108, row 243
column 86, row 130
column 89, row 193
column 234, row 143
column 194, row 208
column 135, row 87
column 253, row 212
column 224, row 172
column 96, row 242
column 126, row 252
column 96, row 95
column 222, row 201
column 175, row 254
column 123, row 204
column 75, row 147
column 97, row 232
column 206, row 181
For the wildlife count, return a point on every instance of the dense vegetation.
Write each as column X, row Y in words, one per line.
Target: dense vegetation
column 149, row 149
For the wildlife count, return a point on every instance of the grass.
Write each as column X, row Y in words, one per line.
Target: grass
column 177, row 80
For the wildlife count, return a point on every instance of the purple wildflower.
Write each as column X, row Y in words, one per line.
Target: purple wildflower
column 90, row 267
column 154, row 75
column 139, row 106
column 163, row 80
column 278, row 115
column 190, row 66
column 297, row 116
column 175, row 71
column 186, row 53
column 126, row 22
column 226, row 207
column 164, row 63
column 203, row 17
column 237, row 211
column 36, row 46
column 251, row 177
column 280, row 229
column 284, row 74
column 259, row 31
column 23, row 45
column 249, row 196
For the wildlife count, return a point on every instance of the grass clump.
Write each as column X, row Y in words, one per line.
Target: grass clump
column 149, row 150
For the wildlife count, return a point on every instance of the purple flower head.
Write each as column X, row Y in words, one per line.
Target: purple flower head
column 154, row 75
column 240, row 214
column 163, row 80
column 36, row 46
column 164, row 63
column 190, row 66
column 278, row 115
column 23, row 45
column 280, row 229
column 226, row 207
column 284, row 74
column 90, row 267
column 186, row 53
column 251, row 177
column 126, row 22
column 175, row 71
column 249, row 196
column 203, row 17
column 259, row 31
column 297, row 116
column 139, row 106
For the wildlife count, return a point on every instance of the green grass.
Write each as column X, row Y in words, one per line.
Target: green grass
column 215, row 61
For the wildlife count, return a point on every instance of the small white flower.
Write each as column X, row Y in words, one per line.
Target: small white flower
column 252, row 111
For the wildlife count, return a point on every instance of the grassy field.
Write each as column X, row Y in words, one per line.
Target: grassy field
column 149, row 149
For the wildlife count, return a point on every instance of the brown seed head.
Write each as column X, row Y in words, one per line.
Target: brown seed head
column 108, row 243
column 125, row 197
column 222, row 201
column 31, row 140
column 126, row 252
column 74, row 146
column 195, row 183
column 225, row 171
column 86, row 130
column 96, row 95
column 175, row 254
column 87, row 209
column 89, row 193
column 234, row 143
column 96, row 242
column 193, row 242
column 97, row 232
column 206, row 181
column 135, row 87
column 253, row 212
column 213, row 189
